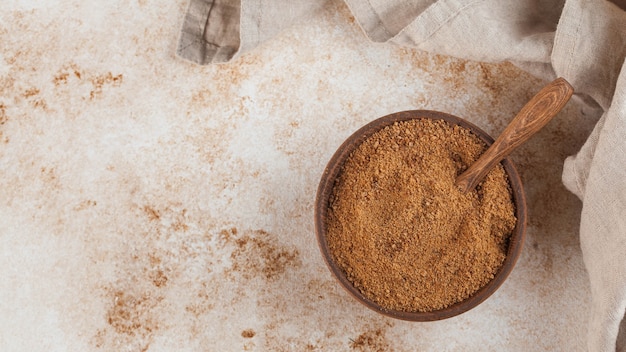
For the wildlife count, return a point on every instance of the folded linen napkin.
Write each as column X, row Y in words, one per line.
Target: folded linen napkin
column 583, row 41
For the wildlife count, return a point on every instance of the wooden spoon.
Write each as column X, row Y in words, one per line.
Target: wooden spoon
column 533, row 116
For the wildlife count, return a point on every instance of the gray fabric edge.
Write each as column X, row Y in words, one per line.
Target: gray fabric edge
column 366, row 14
column 604, row 323
column 433, row 18
column 191, row 44
column 425, row 25
column 250, row 38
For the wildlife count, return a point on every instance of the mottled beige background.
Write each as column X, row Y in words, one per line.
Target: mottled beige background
column 147, row 204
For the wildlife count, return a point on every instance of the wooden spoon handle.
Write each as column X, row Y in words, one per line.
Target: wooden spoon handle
column 533, row 116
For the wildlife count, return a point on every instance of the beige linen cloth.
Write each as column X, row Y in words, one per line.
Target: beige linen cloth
column 583, row 41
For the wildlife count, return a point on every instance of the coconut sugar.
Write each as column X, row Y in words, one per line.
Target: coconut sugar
column 406, row 237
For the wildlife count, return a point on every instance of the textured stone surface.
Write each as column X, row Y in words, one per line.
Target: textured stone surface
column 148, row 204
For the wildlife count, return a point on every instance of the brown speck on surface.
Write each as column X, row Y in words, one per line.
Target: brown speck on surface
column 248, row 333
column 49, row 175
column 152, row 213
column 66, row 74
column 258, row 253
column 98, row 338
column 154, row 259
column 100, row 81
column 11, row 60
column 3, row 114
column 227, row 234
column 159, row 279
column 371, row 340
column 180, row 224
column 131, row 315
column 60, row 79
column 498, row 78
column 204, row 300
column 40, row 103
column 30, row 92
column 85, row 205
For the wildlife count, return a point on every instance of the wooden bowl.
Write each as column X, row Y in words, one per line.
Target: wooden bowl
column 326, row 187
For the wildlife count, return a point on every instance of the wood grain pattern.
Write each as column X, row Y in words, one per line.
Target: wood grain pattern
column 533, row 116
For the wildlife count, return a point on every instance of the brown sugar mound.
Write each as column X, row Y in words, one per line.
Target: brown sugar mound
column 403, row 233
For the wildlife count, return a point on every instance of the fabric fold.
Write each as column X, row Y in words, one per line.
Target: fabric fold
column 603, row 225
column 218, row 31
column 210, row 32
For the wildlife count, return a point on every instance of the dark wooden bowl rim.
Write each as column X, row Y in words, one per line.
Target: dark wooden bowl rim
column 326, row 186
